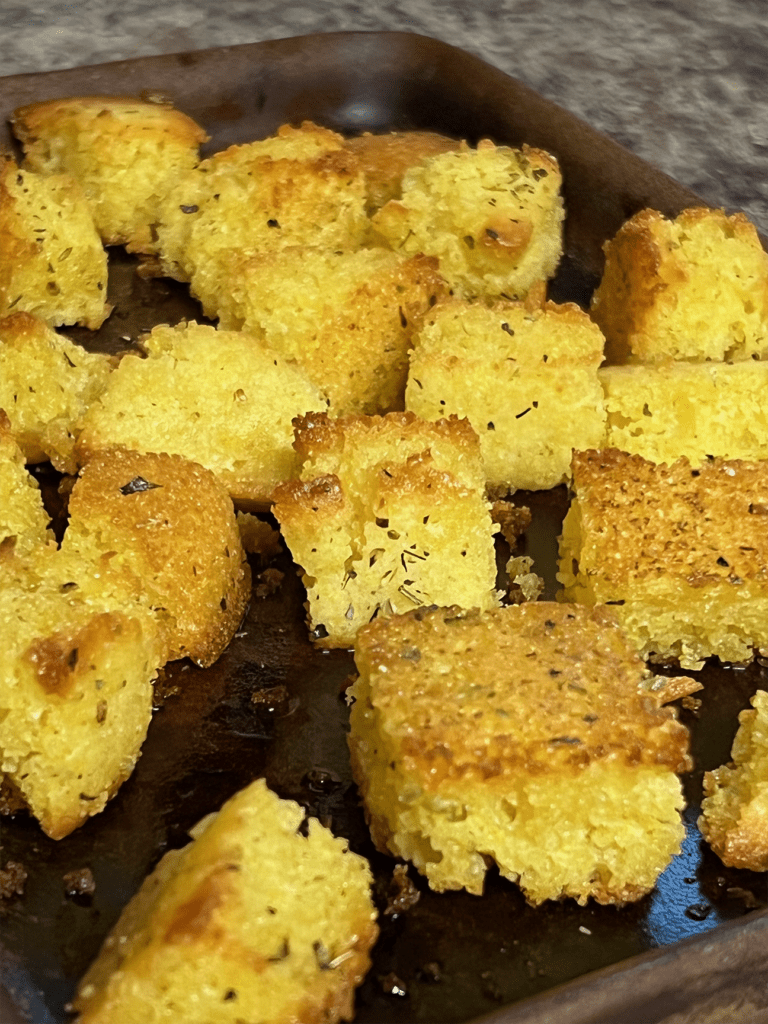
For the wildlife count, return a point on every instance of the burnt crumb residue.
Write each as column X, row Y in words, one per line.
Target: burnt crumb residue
column 402, row 894
column 79, row 882
column 137, row 485
column 13, row 878
column 268, row 583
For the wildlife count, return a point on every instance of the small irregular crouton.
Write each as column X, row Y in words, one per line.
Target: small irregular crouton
column 389, row 514
column 680, row 552
column 525, row 379
column 252, row 921
column 53, row 262
column 219, row 398
column 347, row 319
column 734, row 819
column 691, row 288
column 165, row 528
column 524, row 735
column 125, row 152
column 23, row 519
column 75, row 691
column 693, row 409
column 493, row 217
column 46, row 384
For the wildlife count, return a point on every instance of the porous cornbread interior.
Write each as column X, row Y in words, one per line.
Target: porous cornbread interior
column 347, row 319
column 526, row 379
column 251, row 921
column 125, row 152
column 695, row 287
column 54, row 264
column 680, row 552
column 492, row 215
column 216, row 397
column 46, row 384
column 164, row 529
column 694, row 410
column 524, row 734
column 734, row 818
column 389, row 514
column 76, row 675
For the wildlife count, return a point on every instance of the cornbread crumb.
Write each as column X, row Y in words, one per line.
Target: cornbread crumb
column 251, row 921
column 525, row 735
column 734, row 819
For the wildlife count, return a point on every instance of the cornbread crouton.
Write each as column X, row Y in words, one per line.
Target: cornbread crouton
column 734, row 818
column 252, row 921
column 216, row 397
column 23, row 520
column 75, row 691
column 493, row 216
column 53, row 262
column 166, row 529
column 299, row 187
column 46, row 384
column 680, row 552
column 345, row 318
column 385, row 159
column 389, row 514
column 525, row 379
column 125, row 152
column 525, row 734
column 693, row 409
column 691, row 288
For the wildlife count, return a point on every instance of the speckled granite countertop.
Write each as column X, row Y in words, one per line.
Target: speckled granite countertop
column 683, row 83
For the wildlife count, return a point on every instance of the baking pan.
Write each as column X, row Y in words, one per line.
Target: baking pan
column 694, row 949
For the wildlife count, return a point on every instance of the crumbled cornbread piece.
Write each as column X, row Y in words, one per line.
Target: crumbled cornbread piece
column 23, row 520
column 525, row 379
column 125, row 152
column 493, row 216
column 53, row 264
column 681, row 552
column 691, row 288
column 524, row 734
column 165, row 529
column 347, row 319
column 251, row 921
column 691, row 409
column 216, row 397
column 389, row 514
column 46, row 384
column 734, row 818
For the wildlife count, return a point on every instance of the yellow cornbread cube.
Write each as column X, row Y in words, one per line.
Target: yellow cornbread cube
column 527, row 735
column 492, row 215
column 695, row 287
column 734, row 819
column 389, row 514
column 680, row 552
column 525, row 379
column 252, row 921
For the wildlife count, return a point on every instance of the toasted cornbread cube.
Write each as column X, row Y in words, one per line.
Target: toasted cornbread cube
column 692, row 409
column 252, row 921
column 691, row 288
column 734, row 818
column 345, row 318
column 493, row 216
column 525, row 379
column 23, row 520
column 680, row 551
column 216, row 397
column 165, row 527
column 300, row 187
column 125, row 152
column 53, row 263
column 389, row 514
column 527, row 735
column 46, row 384
column 75, row 691
column 386, row 158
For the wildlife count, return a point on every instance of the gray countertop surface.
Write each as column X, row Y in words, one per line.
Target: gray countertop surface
column 682, row 83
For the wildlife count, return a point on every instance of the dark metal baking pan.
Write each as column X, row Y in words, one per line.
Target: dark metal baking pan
column 697, row 947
